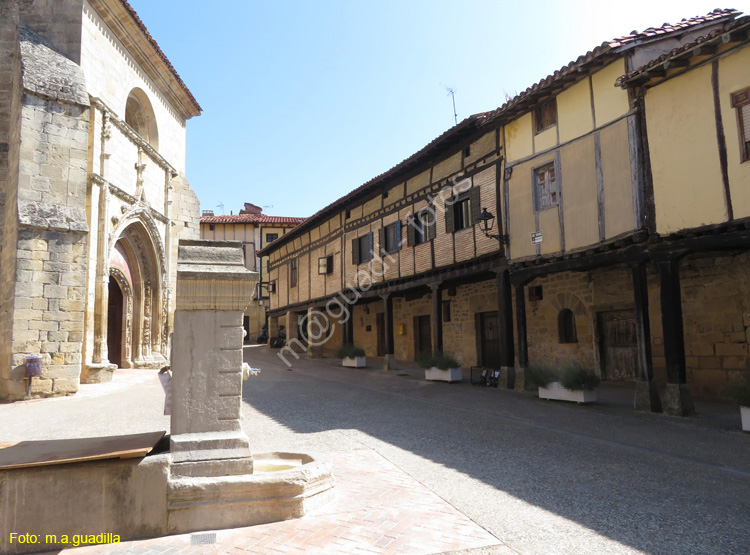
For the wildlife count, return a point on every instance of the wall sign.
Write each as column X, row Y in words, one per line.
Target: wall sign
column 536, row 237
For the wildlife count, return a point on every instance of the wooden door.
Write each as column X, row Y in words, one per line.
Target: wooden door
column 114, row 323
column 619, row 345
column 489, row 326
column 380, row 325
column 422, row 336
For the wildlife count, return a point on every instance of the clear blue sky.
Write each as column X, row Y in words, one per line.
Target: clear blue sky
column 305, row 100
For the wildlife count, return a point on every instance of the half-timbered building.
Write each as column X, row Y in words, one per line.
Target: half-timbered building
column 526, row 234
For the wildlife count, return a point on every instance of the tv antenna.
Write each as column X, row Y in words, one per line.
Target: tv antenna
column 221, row 205
column 452, row 92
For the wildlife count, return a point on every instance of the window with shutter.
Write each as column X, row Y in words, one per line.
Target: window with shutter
column 391, row 237
column 355, row 251
column 461, row 211
column 545, row 116
column 741, row 102
column 546, row 189
column 412, row 223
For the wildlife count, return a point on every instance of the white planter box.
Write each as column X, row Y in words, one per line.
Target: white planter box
column 356, row 362
column 745, row 414
column 448, row 375
column 557, row 392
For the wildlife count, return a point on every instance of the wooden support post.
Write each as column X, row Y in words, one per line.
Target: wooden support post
column 347, row 336
column 388, row 364
column 677, row 400
column 505, row 322
column 646, row 393
column 437, row 317
column 523, row 348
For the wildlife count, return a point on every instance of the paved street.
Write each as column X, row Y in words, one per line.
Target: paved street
column 433, row 467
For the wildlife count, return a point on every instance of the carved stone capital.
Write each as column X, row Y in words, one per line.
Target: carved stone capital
column 211, row 275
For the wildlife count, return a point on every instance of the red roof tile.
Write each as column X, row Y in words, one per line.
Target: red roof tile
column 161, row 54
column 251, row 219
column 578, row 67
column 713, row 36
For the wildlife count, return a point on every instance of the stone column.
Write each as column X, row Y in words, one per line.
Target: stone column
column 213, row 289
column 317, row 328
column 677, row 400
column 390, row 359
column 523, row 347
column 646, row 393
column 437, row 317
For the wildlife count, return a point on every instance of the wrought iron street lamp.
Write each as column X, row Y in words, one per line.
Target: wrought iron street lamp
column 486, row 223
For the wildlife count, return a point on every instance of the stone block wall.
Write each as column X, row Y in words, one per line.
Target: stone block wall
column 716, row 318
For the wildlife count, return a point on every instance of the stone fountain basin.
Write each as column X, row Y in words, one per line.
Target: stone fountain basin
column 282, row 486
column 138, row 498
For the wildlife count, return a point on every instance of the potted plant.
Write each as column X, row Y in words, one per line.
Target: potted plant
column 440, row 367
column 572, row 382
column 739, row 392
column 352, row 356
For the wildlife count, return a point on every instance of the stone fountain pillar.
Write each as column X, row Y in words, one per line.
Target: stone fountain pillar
column 213, row 289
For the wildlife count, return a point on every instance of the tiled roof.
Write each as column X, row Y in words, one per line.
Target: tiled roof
column 161, row 54
column 466, row 126
column 602, row 53
column 571, row 72
column 251, row 219
column 704, row 40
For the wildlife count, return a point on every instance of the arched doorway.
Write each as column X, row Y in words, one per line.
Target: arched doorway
column 115, row 314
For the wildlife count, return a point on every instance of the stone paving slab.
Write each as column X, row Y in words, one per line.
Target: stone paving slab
column 378, row 509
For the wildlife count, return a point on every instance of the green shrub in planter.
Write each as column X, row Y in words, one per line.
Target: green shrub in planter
column 739, row 392
column 540, row 375
column 442, row 361
column 350, row 351
column 576, row 377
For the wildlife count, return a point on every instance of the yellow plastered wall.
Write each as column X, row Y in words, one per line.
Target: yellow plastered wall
column 581, row 214
column 681, row 127
column 610, row 102
column 518, row 138
column 574, row 111
column 618, row 180
column 734, row 76
column 549, row 225
column 546, row 139
column 521, row 211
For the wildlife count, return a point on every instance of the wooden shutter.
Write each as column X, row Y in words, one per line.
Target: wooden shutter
column 329, row 264
column 355, row 251
column 381, row 240
column 450, row 226
column 398, row 235
column 369, row 246
column 430, row 226
column 474, row 202
column 410, row 231
column 745, row 115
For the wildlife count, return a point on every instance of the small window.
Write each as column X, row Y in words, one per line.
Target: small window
column 348, row 214
column 461, row 211
column 741, row 102
column 325, row 265
column 446, row 311
column 420, row 228
column 271, row 237
column 362, row 249
column 545, row 116
column 390, row 237
column 467, row 152
column 535, row 293
column 211, row 226
column 566, row 326
column 546, row 190
column 293, row 273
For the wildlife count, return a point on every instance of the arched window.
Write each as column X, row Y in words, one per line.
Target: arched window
column 566, row 326
column 140, row 116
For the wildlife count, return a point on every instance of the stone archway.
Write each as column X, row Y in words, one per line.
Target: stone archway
column 136, row 267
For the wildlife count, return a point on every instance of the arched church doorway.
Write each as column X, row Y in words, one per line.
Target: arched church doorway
column 114, row 322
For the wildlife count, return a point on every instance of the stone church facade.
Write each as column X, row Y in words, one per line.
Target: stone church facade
column 93, row 196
